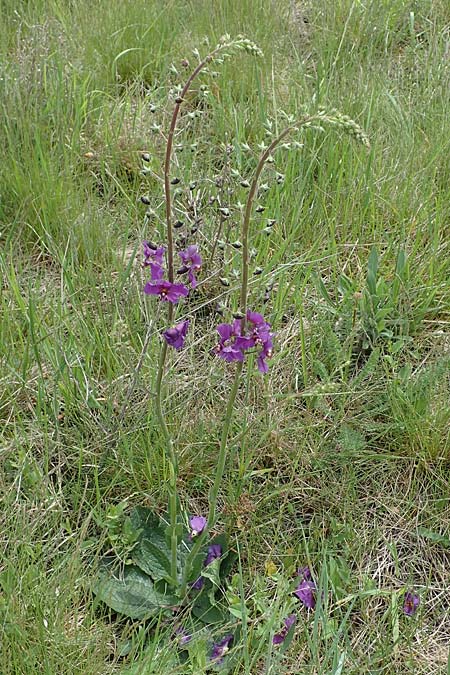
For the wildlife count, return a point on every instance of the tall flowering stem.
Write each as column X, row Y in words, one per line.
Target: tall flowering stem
column 334, row 118
column 173, row 498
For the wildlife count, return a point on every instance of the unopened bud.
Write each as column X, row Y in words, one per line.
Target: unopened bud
column 224, row 281
column 178, row 100
column 236, row 244
column 238, row 315
column 183, row 270
column 145, row 200
column 271, row 222
column 224, row 211
column 245, row 184
column 175, row 181
column 145, row 156
column 178, row 223
column 260, row 208
column 257, row 271
column 192, row 186
column 152, row 245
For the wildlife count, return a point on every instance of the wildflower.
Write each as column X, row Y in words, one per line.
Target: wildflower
column 411, row 603
column 220, row 648
column 261, row 335
column 176, row 336
column 307, row 587
column 280, row 637
column 231, row 345
column 214, row 553
column 182, row 636
column 197, row 525
column 198, row 584
column 154, row 258
column 166, row 290
column 192, row 260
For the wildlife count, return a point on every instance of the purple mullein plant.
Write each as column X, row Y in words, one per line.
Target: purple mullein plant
column 305, row 591
column 280, row 637
column 221, row 648
column 176, row 336
column 411, row 603
column 234, row 341
column 192, row 263
column 166, row 290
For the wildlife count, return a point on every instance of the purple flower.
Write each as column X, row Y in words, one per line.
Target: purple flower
column 220, row 648
column 280, row 637
column 154, row 258
column 176, row 336
column 192, row 261
column 231, row 345
column 182, row 635
column 261, row 335
column 233, row 342
column 214, row 552
column 307, row 587
column 198, row 584
column 197, row 525
column 166, row 290
column 411, row 603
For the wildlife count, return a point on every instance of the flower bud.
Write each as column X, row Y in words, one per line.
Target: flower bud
column 178, row 223
column 260, row 208
column 145, row 200
column 236, row 244
column 224, row 281
column 224, row 211
column 145, row 156
column 257, row 271
column 175, row 181
column 245, row 184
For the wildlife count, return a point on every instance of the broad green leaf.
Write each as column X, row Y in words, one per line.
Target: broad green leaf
column 208, row 613
column 434, row 536
column 151, row 553
column 130, row 592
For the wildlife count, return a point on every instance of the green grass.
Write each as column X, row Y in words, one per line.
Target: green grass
column 344, row 464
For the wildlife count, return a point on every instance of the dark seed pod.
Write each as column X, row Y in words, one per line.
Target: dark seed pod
column 224, row 211
column 194, row 230
column 145, row 156
column 192, row 186
column 152, row 108
column 280, row 178
column 221, row 244
column 267, row 231
column 236, row 244
column 183, row 270
column 245, row 183
column 175, row 181
column 270, row 159
column 179, row 148
column 145, row 200
column 220, row 309
column 178, row 223
column 271, row 222
column 260, row 208
column 238, row 315
column 257, row 271
column 152, row 245
column 179, row 99
column 224, row 281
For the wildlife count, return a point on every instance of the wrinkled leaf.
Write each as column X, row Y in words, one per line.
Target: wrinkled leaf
column 130, row 592
column 151, row 553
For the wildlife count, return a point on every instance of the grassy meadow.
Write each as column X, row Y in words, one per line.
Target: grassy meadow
column 340, row 457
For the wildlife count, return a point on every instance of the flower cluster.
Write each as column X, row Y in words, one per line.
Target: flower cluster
column 168, row 291
column 214, row 553
column 235, row 340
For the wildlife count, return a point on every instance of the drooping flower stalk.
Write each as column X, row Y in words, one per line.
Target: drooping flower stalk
column 333, row 118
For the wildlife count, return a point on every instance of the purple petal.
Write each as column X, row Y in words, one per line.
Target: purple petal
column 305, row 593
column 214, row 552
column 304, row 573
column 225, row 331
column 411, row 603
column 262, row 365
column 198, row 584
column 156, row 272
column 197, row 525
column 176, row 336
column 255, row 318
column 280, row 637
column 220, row 648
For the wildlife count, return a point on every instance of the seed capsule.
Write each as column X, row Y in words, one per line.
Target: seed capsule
column 192, row 186
column 245, row 183
column 178, row 223
column 145, row 156
column 257, row 271
column 152, row 245
column 238, row 315
column 271, row 222
column 260, row 208
column 224, row 281
column 178, row 99
column 183, row 270
column 236, row 244
column 145, row 200
column 175, row 181
column 224, row 211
